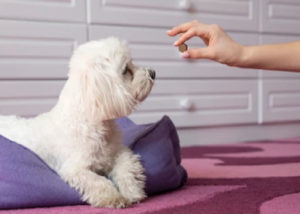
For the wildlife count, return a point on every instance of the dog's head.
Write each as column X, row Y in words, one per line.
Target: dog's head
column 111, row 85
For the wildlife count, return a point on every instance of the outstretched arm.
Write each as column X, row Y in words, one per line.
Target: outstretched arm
column 221, row 48
column 285, row 56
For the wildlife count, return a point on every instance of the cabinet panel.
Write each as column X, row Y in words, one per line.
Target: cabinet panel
column 152, row 47
column 280, row 100
column 280, row 16
column 189, row 103
column 233, row 15
column 193, row 103
column 44, row 10
column 28, row 98
column 31, row 50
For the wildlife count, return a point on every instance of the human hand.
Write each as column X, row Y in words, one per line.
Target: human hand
column 220, row 47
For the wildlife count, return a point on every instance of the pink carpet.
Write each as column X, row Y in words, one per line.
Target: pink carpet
column 248, row 178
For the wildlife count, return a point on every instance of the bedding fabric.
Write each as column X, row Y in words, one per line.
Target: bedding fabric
column 261, row 177
column 27, row 181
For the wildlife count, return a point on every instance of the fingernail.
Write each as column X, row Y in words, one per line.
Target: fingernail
column 176, row 43
column 185, row 55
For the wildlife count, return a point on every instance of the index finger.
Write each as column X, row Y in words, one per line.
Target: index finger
column 182, row 28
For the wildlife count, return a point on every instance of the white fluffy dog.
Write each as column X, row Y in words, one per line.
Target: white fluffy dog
column 78, row 138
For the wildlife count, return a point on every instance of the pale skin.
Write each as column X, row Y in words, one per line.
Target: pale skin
column 221, row 48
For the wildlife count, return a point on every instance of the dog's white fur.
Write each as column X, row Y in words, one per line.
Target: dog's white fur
column 78, row 138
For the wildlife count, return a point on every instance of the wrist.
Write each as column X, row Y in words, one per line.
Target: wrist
column 238, row 56
column 244, row 56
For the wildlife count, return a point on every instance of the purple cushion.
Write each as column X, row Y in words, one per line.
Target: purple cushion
column 27, row 181
column 158, row 146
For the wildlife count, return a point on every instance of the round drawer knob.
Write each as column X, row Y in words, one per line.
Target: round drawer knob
column 185, row 4
column 186, row 104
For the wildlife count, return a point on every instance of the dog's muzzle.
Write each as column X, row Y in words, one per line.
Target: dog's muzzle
column 151, row 73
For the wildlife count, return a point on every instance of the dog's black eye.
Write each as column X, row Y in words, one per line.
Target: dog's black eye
column 126, row 70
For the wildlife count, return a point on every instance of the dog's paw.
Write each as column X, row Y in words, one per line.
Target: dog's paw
column 108, row 201
column 132, row 188
column 134, row 194
column 104, row 194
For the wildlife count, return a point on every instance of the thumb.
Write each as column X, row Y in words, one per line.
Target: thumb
column 198, row 53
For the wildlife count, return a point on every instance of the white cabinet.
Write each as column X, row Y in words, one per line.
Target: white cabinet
column 37, row 38
column 44, row 10
column 232, row 15
column 180, row 91
column 280, row 16
column 194, row 103
column 279, row 91
column 28, row 98
column 35, row 50
column 280, row 100
column 151, row 47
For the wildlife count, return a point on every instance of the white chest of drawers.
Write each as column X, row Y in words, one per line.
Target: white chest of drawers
column 37, row 38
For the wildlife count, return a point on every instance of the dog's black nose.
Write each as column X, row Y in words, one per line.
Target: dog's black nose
column 152, row 73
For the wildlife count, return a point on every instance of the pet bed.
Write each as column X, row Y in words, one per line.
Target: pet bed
column 26, row 180
column 244, row 178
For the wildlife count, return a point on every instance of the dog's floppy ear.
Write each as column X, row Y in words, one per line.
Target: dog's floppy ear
column 104, row 94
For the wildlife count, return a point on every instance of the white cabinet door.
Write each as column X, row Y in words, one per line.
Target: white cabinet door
column 233, row 15
column 35, row 50
column 280, row 100
column 180, row 90
column 196, row 103
column 44, row 10
column 280, row 16
column 152, row 47
column 28, row 98
column 189, row 103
